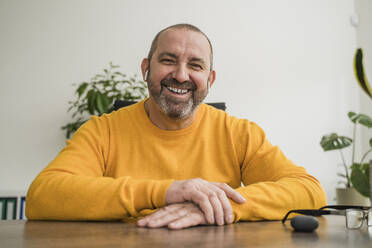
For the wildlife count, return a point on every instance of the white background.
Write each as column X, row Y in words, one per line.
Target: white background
column 285, row 64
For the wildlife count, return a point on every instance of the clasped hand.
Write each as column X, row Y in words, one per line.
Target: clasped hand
column 194, row 202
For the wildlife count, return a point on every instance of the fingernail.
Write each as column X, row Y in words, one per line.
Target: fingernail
column 211, row 221
column 174, row 224
column 243, row 199
column 231, row 218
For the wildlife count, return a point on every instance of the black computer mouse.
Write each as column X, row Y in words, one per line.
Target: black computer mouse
column 303, row 223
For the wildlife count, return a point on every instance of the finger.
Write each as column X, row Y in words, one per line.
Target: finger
column 168, row 218
column 231, row 193
column 187, row 221
column 202, row 201
column 211, row 191
column 158, row 214
column 218, row 210
column 226, row 206
column 220, row 203
column 144, row 221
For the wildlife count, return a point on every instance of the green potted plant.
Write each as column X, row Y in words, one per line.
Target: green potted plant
column 356, row 173
column 97, row 96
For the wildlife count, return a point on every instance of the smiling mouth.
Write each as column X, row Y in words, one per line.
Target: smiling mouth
column 177, row 90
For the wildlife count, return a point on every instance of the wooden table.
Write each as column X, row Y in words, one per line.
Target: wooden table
column 331, row 233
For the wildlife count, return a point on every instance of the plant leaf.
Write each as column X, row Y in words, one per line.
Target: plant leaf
column 352, row 116
column 81, row 89
column 360, row 73
column 370, row 142
column 360, row 180
column 106, row 102
column 364, row 167
column 334, row 142
column 362, row 119
column 97, row 95
column 99, row 104
column 91, row 101
column 113, row 66
column 365, row 120
column 102, row 103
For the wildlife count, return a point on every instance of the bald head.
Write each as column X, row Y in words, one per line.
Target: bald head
column 184, row 26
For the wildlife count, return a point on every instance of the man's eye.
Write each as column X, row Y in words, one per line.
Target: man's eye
column 197, row 66
column 167, row 61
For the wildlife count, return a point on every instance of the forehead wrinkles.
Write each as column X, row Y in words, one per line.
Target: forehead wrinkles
column 184, row 44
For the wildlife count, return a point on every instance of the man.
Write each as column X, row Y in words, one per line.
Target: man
column 170, row 159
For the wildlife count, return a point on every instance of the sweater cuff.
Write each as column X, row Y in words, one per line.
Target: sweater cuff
column 137, row 195
column 159, row 190
column 245, row 210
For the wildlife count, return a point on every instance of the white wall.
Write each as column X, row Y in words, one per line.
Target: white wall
column 284, row 64
column 364, row 40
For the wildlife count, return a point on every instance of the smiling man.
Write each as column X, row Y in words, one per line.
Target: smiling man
column 171, row 161
column 179, row 74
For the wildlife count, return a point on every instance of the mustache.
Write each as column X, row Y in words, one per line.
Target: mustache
column 171, row 82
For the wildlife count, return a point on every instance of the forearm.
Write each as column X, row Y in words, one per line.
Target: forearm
column 62, row 196
column 272, row 200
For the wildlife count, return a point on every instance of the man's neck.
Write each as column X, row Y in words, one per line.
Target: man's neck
column 162, row 121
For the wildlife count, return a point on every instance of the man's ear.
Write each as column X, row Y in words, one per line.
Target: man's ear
column 211, row 77
column 144, row 68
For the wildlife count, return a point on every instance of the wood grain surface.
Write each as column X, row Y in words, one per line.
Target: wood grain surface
column 331, row 233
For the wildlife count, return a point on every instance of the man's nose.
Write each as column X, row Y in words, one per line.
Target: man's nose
column 181, row 74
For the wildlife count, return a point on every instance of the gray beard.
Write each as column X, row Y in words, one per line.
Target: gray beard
column 173, row 108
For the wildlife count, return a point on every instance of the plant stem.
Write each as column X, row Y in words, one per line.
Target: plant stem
column 365, row 155
column 346, row 170
column 354, row 143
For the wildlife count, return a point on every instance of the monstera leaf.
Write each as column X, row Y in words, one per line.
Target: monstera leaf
column 334, row 142
column 362, row 119
column 360, row 178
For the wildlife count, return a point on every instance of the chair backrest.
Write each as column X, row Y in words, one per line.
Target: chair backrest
column 123, row 103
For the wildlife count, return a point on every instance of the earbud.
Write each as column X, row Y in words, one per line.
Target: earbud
column 302, row 223
column 146, row 74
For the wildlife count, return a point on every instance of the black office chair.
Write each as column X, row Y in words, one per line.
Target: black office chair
column 123, row 103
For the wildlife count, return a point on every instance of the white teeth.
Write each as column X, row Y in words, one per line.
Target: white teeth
column 175, row 90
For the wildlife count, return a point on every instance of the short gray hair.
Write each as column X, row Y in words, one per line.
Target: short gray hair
column 185, row 26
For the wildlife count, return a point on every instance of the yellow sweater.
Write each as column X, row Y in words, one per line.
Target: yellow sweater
column 120, row 165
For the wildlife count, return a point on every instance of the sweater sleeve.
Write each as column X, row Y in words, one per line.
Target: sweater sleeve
column 273, row 184
column 74, row 186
